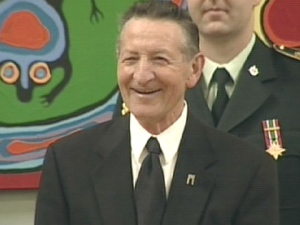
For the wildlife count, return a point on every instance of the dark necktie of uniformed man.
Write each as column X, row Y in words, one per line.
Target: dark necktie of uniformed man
column 150, row 191
column 221, row 76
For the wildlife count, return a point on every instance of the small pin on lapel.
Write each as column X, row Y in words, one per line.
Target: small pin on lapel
column 253, row 70
column 191, row 179
column 124, row 110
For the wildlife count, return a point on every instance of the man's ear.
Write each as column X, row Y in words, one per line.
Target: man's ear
column 197, row 64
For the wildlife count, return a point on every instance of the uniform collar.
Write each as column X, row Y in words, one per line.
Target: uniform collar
column 233, row 67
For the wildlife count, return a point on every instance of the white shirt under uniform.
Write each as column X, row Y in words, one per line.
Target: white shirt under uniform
column 233, row 68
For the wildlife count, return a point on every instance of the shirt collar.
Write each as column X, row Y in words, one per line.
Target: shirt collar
column 233, row 67
column 169, row 139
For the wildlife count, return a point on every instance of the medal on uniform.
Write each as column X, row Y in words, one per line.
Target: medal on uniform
column 273, row 139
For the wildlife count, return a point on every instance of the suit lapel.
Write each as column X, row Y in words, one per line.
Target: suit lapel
column 112, row 176
column 187, row 202
column 250, row 93
column 198, row 106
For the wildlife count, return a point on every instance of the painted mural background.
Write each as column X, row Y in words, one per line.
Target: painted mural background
column 58, row 75
column 58, row 72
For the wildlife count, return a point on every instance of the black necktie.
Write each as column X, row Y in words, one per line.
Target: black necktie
column 221, row 76
column 150, row 193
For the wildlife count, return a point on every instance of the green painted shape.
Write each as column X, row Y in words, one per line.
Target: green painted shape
column 92, row 54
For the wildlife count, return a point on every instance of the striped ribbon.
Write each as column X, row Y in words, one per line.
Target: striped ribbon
column 272, row 132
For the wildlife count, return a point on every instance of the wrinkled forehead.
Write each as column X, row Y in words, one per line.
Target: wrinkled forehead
column 151, row 24
column 152, row 28
column 157, row 31
column 165, row 31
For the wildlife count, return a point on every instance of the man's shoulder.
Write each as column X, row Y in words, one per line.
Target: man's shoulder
column 229, row 147
column 280, row 57
column 90, row 136
column 223, row 139
column 261, row 50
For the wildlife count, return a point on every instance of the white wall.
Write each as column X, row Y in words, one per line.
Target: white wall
column 17, row 207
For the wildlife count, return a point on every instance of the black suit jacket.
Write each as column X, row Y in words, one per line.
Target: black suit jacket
column 273, row 94
column 87, row 179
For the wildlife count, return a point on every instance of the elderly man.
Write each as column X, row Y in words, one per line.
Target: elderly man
column 158, row 164
column 258, row 99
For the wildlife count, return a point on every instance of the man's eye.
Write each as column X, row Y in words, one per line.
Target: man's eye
column 129, row 60
column 161, row 60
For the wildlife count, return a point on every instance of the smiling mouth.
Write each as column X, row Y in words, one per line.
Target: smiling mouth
column 146, row 92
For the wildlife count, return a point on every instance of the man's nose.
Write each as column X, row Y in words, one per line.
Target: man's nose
column 143, row 72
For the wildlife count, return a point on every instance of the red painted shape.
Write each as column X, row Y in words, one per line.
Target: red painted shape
column 19, row 147
column 281, row 21
column 177, row 2
column 24, row 30
column 20, row 181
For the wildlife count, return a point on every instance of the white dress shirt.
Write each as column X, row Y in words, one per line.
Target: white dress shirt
column 169, row 142
column 234, row 67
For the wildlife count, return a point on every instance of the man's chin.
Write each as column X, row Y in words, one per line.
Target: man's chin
column 143, row 114
column 215, row 30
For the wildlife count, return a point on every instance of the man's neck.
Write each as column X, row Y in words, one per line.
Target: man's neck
column 223, row 49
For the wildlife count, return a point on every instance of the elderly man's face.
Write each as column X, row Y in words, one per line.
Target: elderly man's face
column 222, row 17
column 153, row 71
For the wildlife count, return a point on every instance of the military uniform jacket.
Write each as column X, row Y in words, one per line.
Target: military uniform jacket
column 274, row 93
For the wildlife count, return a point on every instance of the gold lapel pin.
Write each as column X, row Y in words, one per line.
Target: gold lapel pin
column 125, row 110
